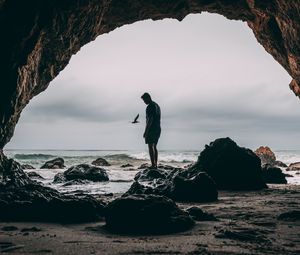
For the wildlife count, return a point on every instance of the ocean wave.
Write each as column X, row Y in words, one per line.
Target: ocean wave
column 34, row 156
column 121, row 156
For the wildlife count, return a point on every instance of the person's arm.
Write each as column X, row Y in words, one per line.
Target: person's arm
column 148, row 125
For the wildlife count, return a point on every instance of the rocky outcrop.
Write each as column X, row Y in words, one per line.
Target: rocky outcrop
column 33, row 202
column 179, row 185
column 82, row 172
column 41, row 37
column 146, row 214
column 230, row 166
column 100, row 162
column 57, row 163
column 22, row 199
column 272, row 174
column 266, row 155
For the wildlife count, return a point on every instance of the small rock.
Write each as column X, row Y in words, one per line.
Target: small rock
column 290, row 216
column 272, row 174
column 126, row 165
column 57, row 163
column 100, row 162
column 197, row 214
column 9, row 228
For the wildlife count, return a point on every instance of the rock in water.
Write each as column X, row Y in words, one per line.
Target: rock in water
column 126, row 165
column 294, row 167
column 56, row 163
column 272, row 174
column 100, row 162
column 146, row 214
column 230, row 166
column 266, row 155
column 82, row 172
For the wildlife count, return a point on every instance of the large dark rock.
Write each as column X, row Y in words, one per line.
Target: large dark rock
column 272, row 174
column 180, row 185
column 33, row 202
column 82, row 172
column 146, row 214
column 57, row 163
column 100, row 162
column 230, row 166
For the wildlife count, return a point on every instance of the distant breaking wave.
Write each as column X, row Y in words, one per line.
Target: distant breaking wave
column 34, row 156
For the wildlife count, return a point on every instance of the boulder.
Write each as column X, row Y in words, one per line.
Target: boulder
column 34, row 202
column 82, row 172
column 198, row 215
column 146, row 214
column 100, row 162
column 266, row 155
column 180, row 185
column 27, row 166
column 230, row 166
column 126, row 165
column 294, row 167
column 272, row 174
column 34, row 175
column 57, row 163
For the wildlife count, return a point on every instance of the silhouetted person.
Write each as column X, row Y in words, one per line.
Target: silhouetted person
column 152, row 130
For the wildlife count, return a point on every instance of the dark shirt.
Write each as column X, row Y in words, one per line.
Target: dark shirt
column 153, row 111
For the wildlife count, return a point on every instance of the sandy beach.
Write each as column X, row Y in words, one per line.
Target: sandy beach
column 247, row 224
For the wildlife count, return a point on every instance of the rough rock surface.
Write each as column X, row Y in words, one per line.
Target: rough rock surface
column 82, row 172
column 148, row 214
column 22, row 199
column 27, row 166
column 56, row 163
column 272, row 174
column 179, row 185
column 40, row 38
column 100, row 162
column 230, row 166
column 34, row 175
column 266, row 155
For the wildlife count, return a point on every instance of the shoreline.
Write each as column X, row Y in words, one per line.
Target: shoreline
column 247, row 224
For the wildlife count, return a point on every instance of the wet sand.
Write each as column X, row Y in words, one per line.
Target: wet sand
column 247, row 224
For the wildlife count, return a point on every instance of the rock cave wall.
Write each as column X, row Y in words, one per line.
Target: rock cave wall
column 40, row 36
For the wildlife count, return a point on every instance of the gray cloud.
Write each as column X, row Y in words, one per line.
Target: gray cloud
column 209, row 75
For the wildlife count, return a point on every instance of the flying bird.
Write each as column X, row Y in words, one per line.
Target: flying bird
column 136, row 119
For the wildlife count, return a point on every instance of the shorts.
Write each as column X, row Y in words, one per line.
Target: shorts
column 152, row 137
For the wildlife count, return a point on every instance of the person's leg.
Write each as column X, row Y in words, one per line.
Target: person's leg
column 156, row 155
column 152, row 155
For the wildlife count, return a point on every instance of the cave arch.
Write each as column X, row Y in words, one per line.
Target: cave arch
column 41, row 37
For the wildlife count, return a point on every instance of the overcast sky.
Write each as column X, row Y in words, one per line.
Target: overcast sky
column 209, row 75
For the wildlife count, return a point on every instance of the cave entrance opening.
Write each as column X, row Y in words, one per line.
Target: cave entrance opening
column 209, row 75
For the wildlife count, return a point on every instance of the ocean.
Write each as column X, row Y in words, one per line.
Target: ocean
column 120, row 178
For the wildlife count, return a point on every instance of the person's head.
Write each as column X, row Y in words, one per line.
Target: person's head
column 146, row 98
